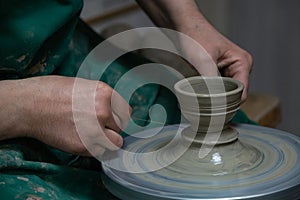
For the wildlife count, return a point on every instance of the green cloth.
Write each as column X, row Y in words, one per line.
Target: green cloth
column 46, row 37
column 35, row 35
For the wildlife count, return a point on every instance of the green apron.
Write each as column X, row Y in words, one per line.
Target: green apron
column 46, row 37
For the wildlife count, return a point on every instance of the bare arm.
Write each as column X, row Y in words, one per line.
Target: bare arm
column 185, row 17
column 41, row 108
column 12, row 123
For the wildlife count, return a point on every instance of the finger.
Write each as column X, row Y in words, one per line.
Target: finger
column 238, row 72
column 107, row 120
column 121, row 110
column 103, row 108
column 113, row 140
column 113, row 123
column 98, row 151
column 245, row 81
column 113, row 111
column 95, row 151
column 96, row 144
column 224, row 63
column 237, row 68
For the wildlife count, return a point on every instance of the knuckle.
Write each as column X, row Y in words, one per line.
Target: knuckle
column 248, row 57
column 103, row 115
column 104, row 88
column 130, row 109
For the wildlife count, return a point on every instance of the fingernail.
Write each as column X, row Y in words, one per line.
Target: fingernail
column 120, row 142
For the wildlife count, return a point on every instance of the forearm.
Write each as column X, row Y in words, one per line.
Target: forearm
column 11, row 113
column 42, row 108
column 178, row 15
column 185, row 17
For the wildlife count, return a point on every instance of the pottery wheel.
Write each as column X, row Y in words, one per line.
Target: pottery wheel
column 263, row 163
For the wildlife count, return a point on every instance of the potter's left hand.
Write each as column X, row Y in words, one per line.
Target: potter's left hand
column 185, row 17
column 231, row 60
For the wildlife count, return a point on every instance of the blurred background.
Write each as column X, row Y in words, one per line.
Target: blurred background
column 268, row 29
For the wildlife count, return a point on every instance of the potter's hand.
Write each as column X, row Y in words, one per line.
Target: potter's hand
column 41, row 108
column 231, row 60
column 185, row 17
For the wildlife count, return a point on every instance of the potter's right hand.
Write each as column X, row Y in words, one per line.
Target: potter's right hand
column 41, row 108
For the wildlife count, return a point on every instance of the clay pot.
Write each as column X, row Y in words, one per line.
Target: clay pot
column 209, row 103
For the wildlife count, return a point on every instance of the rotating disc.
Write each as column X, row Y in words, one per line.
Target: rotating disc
column 270, row 171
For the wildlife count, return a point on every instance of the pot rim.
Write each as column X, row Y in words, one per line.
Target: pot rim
column 178, row 86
